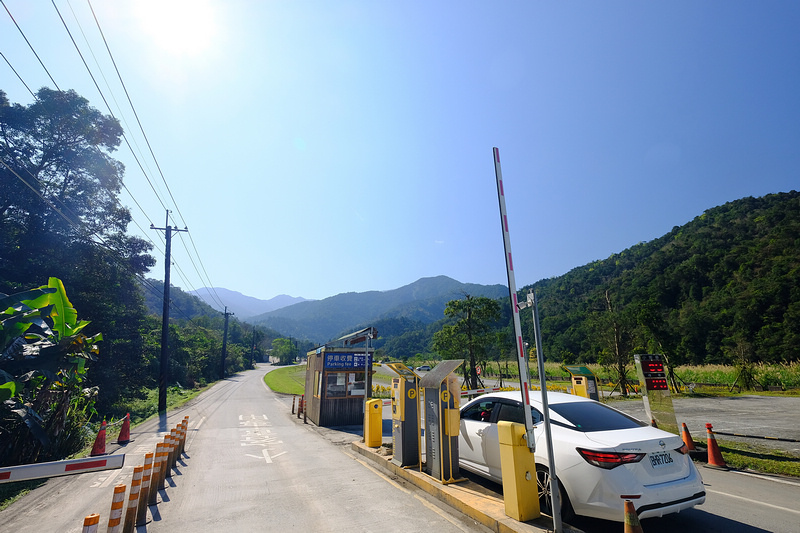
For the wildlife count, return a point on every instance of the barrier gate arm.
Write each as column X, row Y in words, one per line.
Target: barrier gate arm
column 522, row 361
column 61, row 468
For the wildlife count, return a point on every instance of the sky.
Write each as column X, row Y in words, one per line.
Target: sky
column 315, row 147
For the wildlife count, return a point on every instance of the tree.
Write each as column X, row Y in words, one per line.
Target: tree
column 60, row 216
column 284, row 350
column 470, row 334
column 614, row 331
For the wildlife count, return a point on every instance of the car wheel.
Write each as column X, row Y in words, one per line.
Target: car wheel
column 545, row 503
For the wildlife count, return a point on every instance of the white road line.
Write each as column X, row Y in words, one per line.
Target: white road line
column 767, row 478
column 750, row 500
column 110, row 478
column 200, row 423
column 278, row 455
column 266, row 455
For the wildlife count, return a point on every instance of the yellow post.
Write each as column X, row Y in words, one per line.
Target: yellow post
column 518, row 469
column 373, row 424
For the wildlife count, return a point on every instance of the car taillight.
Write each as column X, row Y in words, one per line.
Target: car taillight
column 609, row 460
column 683, row 450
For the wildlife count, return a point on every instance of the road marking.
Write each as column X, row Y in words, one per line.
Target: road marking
column 110, row 478
column 267, row 458
column 767, row 478
column 200, row 423
column 278, row 454
column 750, row 500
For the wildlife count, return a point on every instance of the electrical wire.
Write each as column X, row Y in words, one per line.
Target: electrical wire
column 113, row 195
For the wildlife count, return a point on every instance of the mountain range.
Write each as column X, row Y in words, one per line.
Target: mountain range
column 241, row 305
column 421, row 302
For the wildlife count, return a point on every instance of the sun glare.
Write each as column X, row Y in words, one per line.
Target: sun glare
column 184, row 28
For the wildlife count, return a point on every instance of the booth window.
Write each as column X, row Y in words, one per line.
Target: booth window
column 344, row 384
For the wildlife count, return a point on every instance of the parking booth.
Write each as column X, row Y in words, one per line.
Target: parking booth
column 442, row 421
column 336, row 381
column 655, row 391
column 405, row 416
column 584, row 382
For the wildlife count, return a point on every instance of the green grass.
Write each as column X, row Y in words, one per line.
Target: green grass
column 741, row 456
column 287, row 380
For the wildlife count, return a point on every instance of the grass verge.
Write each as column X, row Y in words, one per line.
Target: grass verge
column 745, row 456
column 287, row 380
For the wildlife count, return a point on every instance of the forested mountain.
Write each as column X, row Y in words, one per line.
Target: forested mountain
column 724, row 287
column 420, row 302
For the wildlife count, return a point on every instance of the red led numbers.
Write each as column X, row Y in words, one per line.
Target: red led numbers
column 656, row 383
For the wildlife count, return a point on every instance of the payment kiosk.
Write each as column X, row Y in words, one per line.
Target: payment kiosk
column 405, row 416
column 584, row 382
column 442, row 421
column 655, row 391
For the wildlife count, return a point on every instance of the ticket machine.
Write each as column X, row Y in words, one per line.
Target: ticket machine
column 584, row 382
column 442, row 421
column 405, row 416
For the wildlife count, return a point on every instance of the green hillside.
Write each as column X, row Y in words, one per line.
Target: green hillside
column 724, row 287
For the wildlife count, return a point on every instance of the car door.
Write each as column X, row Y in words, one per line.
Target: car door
column 475, row 435
column 508, row 411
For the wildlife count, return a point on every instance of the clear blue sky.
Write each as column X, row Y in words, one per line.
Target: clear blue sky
column 315, row 148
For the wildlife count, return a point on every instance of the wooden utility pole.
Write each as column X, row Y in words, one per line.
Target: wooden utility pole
column 224, row 343
column 162, row 376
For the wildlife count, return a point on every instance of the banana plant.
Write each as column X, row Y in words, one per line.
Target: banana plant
column 43, row 323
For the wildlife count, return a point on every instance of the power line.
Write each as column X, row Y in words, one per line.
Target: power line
column 125, row 138
column 29, row 44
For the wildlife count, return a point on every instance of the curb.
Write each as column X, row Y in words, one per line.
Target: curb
column 483, row 508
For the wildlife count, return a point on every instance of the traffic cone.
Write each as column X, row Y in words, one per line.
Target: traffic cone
column 99, row 447
column 632, row 524
column 125, row 432
column 687, row 438
column 715, row 459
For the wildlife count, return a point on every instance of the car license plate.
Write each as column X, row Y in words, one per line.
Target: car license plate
column 660, row 459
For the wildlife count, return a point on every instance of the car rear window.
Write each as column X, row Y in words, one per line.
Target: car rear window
column 593, row 416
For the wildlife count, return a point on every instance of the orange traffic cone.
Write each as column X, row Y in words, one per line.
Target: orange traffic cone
column 99, row 447
column 125, row 432
column 632, row 524
column 687, row 438
column 715, row 459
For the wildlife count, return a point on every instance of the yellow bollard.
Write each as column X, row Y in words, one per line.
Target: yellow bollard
column 518, row 469
column 373, row 424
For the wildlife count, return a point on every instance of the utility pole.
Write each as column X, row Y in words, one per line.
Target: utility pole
column 224, row 343
column 162, row 377
column 253, row 347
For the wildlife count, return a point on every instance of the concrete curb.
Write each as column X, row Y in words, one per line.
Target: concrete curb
column 465, row 497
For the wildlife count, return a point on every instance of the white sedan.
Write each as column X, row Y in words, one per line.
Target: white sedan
column 602, row 456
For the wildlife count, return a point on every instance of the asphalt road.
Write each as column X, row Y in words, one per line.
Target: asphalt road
column 249, row 467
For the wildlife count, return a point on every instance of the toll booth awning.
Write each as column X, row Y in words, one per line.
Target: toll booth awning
column 439, row 373
column 578, row 370
column 402, row 370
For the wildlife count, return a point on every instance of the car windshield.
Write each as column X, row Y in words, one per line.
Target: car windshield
column 593, row 416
